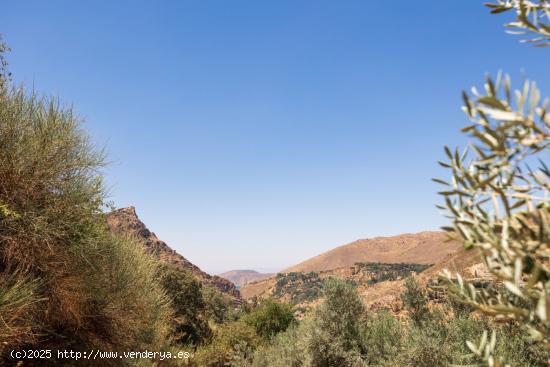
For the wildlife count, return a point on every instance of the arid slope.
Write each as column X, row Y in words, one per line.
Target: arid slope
column 417, row 248
column 420, row 248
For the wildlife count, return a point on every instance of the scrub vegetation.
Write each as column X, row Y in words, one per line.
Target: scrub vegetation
column 68, row 282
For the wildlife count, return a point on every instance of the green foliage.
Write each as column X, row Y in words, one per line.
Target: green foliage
column 285, row 350
column 299, row 286
column 217, row 306
column 270, row 318
column 382, row 336
column 189, row 307
column 232, row 344
column 125, row 307
column 333, row 337
column 532, row 18
column 338, row 333
column 415, row 300
column 386, row 272
column 423, row 349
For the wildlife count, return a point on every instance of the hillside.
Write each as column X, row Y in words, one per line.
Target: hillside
column 126, row 221
column 379, row 278
column 241, row 277
column 417, row 248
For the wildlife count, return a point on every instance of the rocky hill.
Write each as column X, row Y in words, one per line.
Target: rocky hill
column 125, row 221
column 377, row 267
column 417, row 248
column 241, row 277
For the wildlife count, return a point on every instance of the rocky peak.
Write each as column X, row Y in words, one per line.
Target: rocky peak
column 126, row 221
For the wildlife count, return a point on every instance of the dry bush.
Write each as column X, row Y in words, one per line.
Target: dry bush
column 79, row 286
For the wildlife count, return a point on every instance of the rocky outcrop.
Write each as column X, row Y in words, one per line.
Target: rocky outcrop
column 125, row 221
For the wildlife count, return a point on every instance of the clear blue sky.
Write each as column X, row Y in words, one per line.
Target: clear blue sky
column 254, row 134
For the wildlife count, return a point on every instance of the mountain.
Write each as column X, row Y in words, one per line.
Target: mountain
column 416, row 248
column 125, row 221
column 376, row 266
column 241, row 277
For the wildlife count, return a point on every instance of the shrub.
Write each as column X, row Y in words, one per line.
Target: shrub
column 19, row 296
column 333, row 336
column 218, row 307
column 80, row 286
column 185, row 293
column 415, row 300
column 423, row 349
column 285, row 350
column 270, row 318
column 382, row 338
column 232, row 342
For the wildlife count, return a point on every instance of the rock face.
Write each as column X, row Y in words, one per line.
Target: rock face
column 126, row 221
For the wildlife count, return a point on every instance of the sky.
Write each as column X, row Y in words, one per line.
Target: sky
column 256, row 134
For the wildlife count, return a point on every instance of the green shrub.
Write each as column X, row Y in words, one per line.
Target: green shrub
column 333, row 336
column 185, row 294
column 415, row 300
column 285, row 350
column 218, row 307
column 424, row 349
column 382, row 338
column 270, row 318
column 232, row 344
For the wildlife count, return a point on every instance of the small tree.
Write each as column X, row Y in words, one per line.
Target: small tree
column 184, row 291
column 334, row 334
column 270, row 318
column 415, row 300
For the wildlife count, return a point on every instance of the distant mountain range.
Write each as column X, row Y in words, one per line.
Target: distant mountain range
column 241, row 277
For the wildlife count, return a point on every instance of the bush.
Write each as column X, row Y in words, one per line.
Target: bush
column 79, row 286
column 185, row 293
column 424, row 349
column 382, row 337
column 232, row 343
column 285, row 350
column 415, row 300
column 333, row 336
column 218, row 307
column 270, row 318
